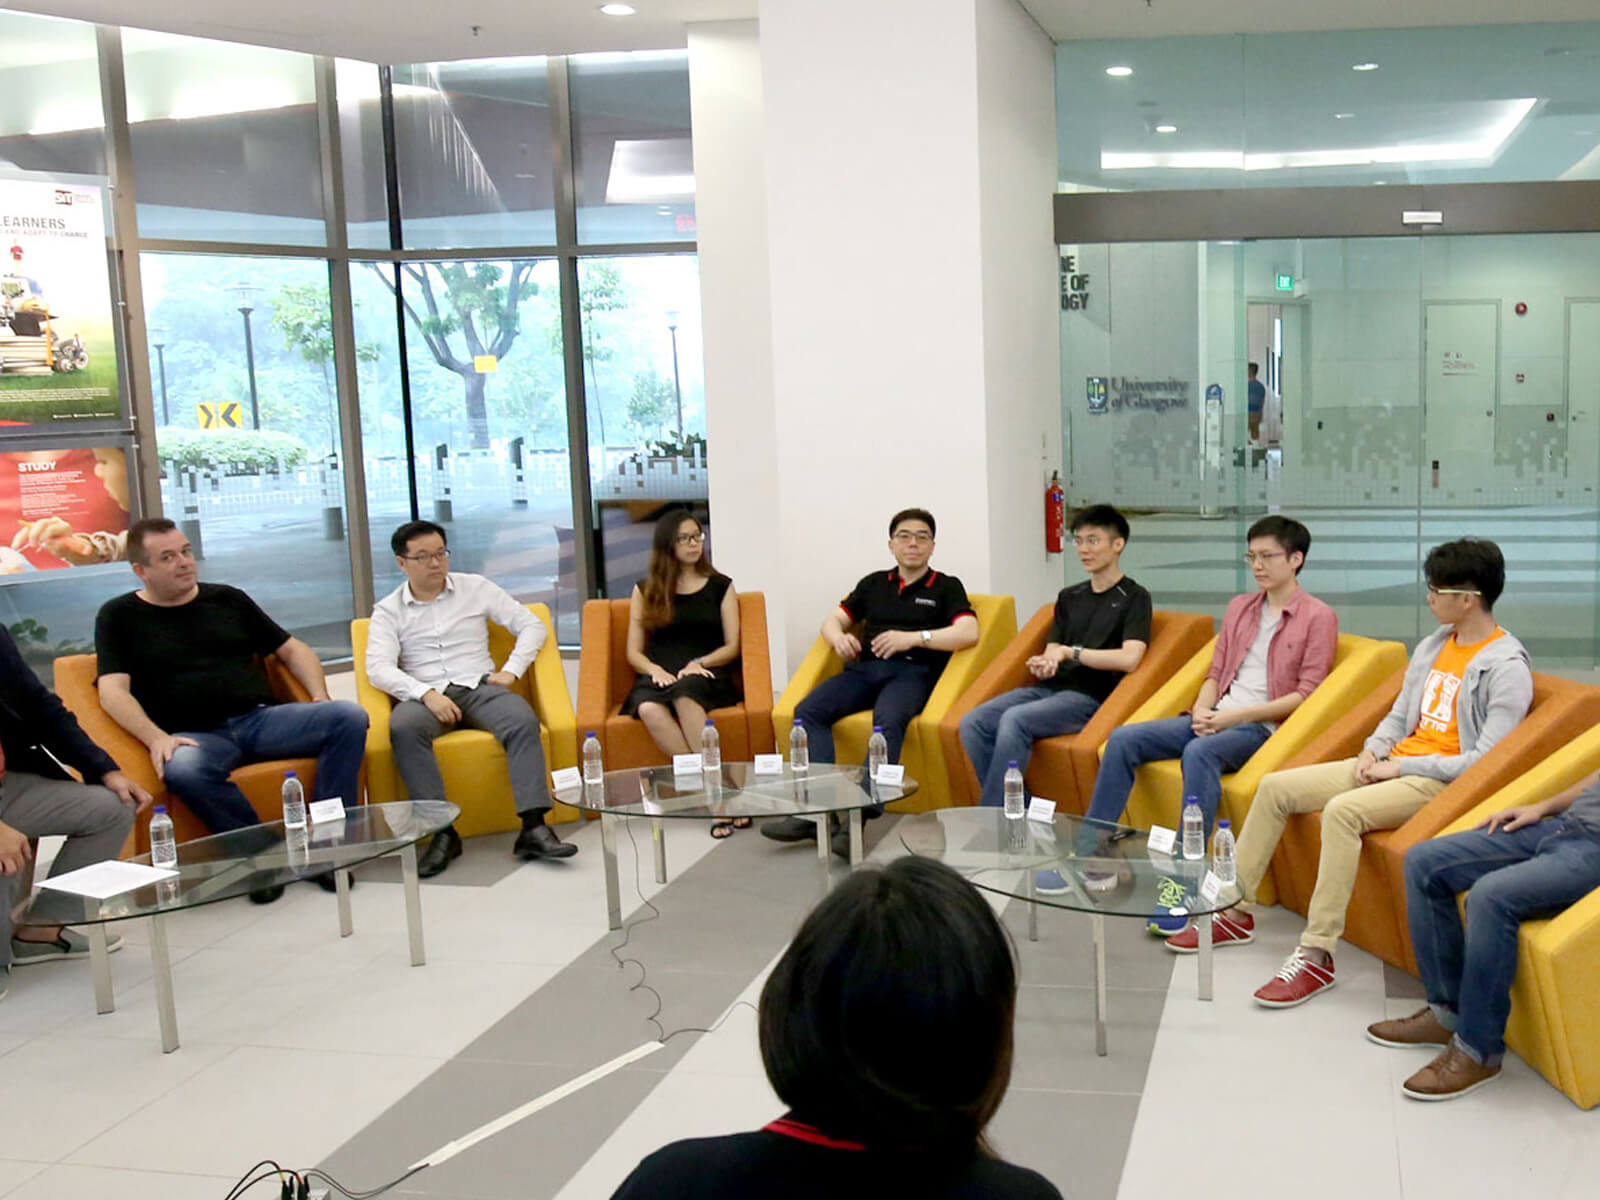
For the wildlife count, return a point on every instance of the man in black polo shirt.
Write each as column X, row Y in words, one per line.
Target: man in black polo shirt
column 913, row 618
column 1100, row 632
column 181, row 668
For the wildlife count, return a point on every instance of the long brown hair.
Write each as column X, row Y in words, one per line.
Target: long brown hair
column 661, row 584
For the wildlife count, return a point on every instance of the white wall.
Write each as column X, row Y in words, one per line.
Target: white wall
column 735, row 289
column 1021, row 342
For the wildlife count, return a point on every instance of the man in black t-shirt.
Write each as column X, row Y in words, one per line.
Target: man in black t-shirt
column 181, row 668
column 913, row 618
column 1101, row 630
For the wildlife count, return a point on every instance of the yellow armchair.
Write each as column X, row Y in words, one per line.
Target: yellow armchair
column 922, row 755
column 1359, row 665
column 471, row 761
column 1555, row 998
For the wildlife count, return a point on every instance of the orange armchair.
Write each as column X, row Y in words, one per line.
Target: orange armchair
column 261, row 782
column 1376, row 920
column 605, row 678
column 1064, row 768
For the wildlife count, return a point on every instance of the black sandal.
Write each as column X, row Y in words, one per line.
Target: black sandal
column 725, row 829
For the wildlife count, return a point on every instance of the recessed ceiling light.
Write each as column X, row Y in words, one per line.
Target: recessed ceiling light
column 618, row 10
column 1365, row 66
column 1166, row 129
column 1119, row 72
column 1558, row 52
column 1342, row 116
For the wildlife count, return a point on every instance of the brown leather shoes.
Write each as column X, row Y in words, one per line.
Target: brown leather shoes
column 1452, row 1074
column 1421, row 1028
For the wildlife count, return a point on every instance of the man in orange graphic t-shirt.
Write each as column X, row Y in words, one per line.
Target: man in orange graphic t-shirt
column 1467, row 686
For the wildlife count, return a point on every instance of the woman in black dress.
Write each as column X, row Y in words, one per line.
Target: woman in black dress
column 683, row 637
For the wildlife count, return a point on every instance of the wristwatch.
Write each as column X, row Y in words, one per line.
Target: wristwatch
column 927, row 636
column 1077, row 654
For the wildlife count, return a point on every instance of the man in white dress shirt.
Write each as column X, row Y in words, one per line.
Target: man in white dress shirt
column 429, row 649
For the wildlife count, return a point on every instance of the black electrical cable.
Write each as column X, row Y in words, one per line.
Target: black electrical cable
column 314, row 1173
column 246, row 1182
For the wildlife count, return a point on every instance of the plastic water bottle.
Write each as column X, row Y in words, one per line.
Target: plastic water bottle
column 799, row 747
column 1194, row 829
column 294, row 802
column 163, row 842
column 1015, row 809
column 710, row 748
column 1223, row 864
column 877, row 752
column 594, row 767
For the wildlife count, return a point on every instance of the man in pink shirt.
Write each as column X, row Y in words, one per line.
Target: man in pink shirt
column 1276, row 645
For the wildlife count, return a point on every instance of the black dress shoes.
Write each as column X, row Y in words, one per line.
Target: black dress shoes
column 540, row 841
column 790, row 829
column 446, row 845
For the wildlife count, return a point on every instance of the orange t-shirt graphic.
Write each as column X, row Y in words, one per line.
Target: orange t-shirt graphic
column 1437, row 730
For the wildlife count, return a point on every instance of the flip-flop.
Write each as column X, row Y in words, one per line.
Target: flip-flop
column 721, row 829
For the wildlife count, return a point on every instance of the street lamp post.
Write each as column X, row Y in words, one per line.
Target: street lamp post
column 247, row 294
column 677, row 387
column 158, row 339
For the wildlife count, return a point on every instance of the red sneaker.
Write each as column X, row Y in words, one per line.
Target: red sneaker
column 1297, row 981
column 1227, row 929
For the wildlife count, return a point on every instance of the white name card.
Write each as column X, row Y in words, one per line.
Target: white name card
column 769, row 764
column 331, row 809
column 891, row 774
column 1040, row 809
column 686, row 764
column 1162, row 839
column 566, row 777
column 1210, row 887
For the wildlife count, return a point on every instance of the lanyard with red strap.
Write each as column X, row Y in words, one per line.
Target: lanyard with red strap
column 802, row 1132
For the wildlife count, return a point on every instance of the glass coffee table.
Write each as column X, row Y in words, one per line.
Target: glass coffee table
column 1106, row 870
column 227, row 865
column 735, row 790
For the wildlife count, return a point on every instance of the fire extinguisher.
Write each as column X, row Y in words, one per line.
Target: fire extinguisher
column 1055, row 515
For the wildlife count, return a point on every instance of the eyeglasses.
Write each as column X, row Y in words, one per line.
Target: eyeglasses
column 1093, row 542
column 906, row 538
column 1439, row 591
column 438, row 556
column 691, row 539
column 1253, row 557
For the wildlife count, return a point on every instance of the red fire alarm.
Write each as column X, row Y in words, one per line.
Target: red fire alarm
column 1522, row 309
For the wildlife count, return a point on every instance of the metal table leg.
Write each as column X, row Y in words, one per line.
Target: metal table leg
column 1033, row 910
column 855, row 837
column 408, row 873
column 608, row 852
column 824, row 836
column 1205, row 957
column 1100, row 984
column 100, row 962
column 658, row 834
column 341, row 886
column 166, row 1009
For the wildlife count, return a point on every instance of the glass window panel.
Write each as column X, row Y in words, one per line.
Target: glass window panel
column 489, row 420
column 366, row 198
column 224, row 140
column 634, row 159
column 1497, row 103
column 645, row 394
column 473, row 151
column 249, row 447
column 52, row 118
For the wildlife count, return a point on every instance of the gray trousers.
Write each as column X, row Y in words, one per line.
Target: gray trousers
column 489, row 707
column 94, row 821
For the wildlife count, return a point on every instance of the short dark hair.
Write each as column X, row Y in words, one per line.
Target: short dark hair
column 1468, row 562
column 1100, row 516
column 141, row 529
column 913, row 514
column 888, row 1020
column 1253, row 368
column 1286, row 531
column 400, row 542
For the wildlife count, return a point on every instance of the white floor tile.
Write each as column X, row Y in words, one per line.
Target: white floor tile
column 14, row 1173
column 97, row 1183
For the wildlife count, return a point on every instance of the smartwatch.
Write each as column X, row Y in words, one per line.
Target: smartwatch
column 1077, row 654
column 927, row 636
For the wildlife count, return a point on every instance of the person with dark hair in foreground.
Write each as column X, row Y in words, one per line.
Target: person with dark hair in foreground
column 886, row 1027
column 1467, row 686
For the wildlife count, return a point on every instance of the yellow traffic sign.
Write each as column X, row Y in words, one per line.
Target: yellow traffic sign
column 485, row 364
column 219, row 414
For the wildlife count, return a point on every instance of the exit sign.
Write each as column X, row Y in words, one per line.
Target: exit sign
column 1286, row 283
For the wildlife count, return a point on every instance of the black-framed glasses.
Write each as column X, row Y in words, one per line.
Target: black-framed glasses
column 691, row 539
column 436, row 556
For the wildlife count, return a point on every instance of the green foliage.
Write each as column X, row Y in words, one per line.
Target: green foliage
column 677, row 447
column 302, row 314
column 240, row 451
column 37, row 650
column 653, row 407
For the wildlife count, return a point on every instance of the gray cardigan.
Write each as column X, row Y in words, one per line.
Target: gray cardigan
column 1496, row 693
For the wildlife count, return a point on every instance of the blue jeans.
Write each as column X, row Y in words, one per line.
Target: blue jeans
column 334, row 731
column 1005, row 728
column 1205, row 760
column 894, row 691
column 1509, row 878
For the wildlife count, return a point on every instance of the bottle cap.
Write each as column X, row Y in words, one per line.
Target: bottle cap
column 710, row 724
column 1223, row 824
column 797, row 721
column 1011, row 764
column 289, row 775
column 877, row 729
column 590, row 734
column 160, row 808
